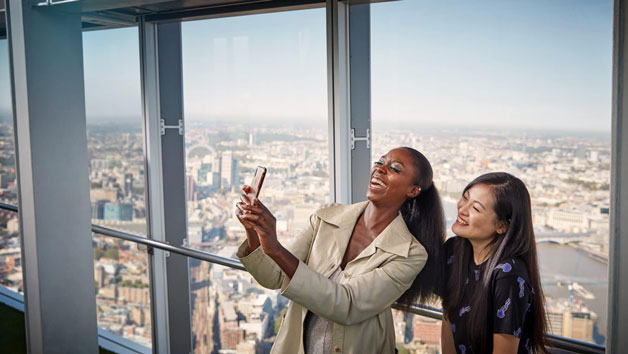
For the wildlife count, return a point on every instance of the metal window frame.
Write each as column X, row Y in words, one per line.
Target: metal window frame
column 338, row 100
column 162, row 92
column 349, row 99
column 618, row 241
column 154, row 184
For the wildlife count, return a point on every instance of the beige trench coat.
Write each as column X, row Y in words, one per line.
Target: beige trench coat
column 359, row 303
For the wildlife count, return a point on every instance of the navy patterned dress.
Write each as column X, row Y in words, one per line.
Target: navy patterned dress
column 509, row 302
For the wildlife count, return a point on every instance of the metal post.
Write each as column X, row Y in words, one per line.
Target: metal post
column 46, row 58
column 360, row 82
column 618, row 244
column 165, row 173
column 349, row 90
column 338, row 100
column 154, row 185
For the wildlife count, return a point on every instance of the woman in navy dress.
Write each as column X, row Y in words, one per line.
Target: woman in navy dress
column 493, row 301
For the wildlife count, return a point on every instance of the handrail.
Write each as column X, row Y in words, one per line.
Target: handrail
column 558, row 342
column 185, row 251
column 9, row 207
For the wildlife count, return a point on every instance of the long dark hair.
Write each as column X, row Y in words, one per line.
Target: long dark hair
column 425, row 219
column 512, row 206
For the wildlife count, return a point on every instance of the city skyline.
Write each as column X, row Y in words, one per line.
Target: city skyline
column 489, row 64
column 568, row 178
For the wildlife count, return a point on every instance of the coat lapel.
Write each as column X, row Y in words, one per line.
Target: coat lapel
column 344, row 218
column 395, row 238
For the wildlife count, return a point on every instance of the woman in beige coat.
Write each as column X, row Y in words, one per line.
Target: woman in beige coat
column 345, row 270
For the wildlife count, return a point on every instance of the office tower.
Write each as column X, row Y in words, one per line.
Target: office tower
column 229, row 170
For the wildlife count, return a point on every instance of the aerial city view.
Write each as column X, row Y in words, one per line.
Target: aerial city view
column 567, row 174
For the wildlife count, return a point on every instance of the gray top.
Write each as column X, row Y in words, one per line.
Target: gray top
column 317, row 331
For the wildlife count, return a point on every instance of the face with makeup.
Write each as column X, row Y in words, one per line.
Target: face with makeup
column 476, row 219
column 393, row 178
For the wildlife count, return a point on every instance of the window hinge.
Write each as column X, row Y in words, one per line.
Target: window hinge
column 163, row 126
column 366, row 138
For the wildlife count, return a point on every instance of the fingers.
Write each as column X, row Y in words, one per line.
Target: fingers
column 247, row 189
column 245, row 199
column 244, row 222
column 248, row 208
column 264, row 209
column 254, row 218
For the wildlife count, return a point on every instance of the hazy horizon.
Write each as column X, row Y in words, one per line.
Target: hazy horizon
column 516, row 65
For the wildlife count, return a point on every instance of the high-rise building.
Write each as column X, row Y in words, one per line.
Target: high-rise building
column 229, row 170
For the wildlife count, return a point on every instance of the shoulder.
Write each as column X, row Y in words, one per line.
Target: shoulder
column 329, row 207
column 511, row 268
column 335, row 214
column 449, row 246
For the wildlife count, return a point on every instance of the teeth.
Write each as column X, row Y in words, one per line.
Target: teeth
column 377, row 181
column 462, row 221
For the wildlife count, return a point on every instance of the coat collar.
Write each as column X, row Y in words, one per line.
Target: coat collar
column 395, row 238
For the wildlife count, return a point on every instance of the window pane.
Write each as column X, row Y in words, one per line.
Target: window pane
column 10, row 251
column 521, row 87
column 116, row 172
column 255, row 94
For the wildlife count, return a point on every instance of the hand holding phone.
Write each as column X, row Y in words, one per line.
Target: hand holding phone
column 256, row 184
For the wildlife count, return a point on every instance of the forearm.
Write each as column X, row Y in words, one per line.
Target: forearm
column 284, row 259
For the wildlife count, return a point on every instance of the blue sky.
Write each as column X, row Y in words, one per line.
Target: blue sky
column 535, row 64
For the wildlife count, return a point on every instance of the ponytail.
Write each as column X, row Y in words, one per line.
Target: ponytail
column 425, row 219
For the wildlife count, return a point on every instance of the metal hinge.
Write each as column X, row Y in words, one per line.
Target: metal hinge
column 163, row 126
column 366, row 138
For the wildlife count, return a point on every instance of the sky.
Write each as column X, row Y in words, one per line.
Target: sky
column 530, row 64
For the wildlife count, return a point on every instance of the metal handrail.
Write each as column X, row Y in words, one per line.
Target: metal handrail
column 184, row 251
column 9, row 207
column 558, row 342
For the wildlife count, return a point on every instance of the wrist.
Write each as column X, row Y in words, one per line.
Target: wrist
column 275, row 250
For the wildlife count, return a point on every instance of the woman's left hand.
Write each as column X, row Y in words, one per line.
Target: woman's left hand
column 265, row 225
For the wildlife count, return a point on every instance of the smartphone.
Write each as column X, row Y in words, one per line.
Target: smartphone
column 256, row 184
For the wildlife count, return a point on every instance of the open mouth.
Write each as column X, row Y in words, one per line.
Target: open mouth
column 461, row 222
column 377, row 183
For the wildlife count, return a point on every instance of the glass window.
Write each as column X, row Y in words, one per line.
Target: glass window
column 116, row 172
column 255, row 93
column 10, row 251
column 521, row 87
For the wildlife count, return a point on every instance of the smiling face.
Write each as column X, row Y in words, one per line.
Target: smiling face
column 393, row 178
column 476, row 219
